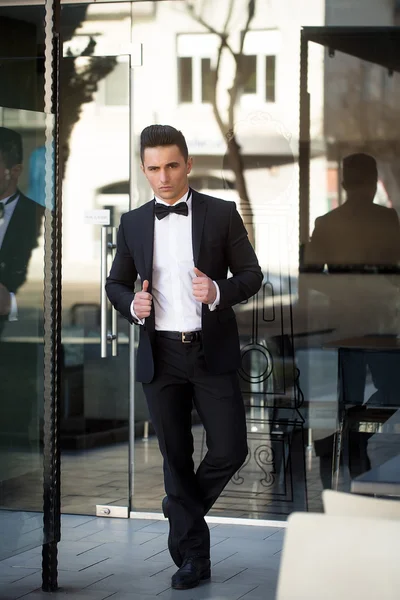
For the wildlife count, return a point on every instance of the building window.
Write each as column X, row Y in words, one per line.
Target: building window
column 196, row 55
column 270, row 62
column 116, row 86
column 185, row 69
column 207, row 78
column 191, row 69
column 249, row 74
column 261, row 49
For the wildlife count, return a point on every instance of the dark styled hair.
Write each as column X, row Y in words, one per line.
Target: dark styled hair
column 162, row 135
column 10, row 147
column 359, row 169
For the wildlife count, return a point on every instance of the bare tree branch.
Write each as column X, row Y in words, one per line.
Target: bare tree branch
column 222, row 35
column 218, row 117
column 237, row 82
column 227, row 128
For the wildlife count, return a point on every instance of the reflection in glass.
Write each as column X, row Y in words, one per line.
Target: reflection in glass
column 21, row 325
column 185, row 79
column 249, row 70
column 270, row 62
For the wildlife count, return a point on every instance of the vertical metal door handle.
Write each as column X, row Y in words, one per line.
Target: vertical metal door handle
column 103, row 295
column 114, row 314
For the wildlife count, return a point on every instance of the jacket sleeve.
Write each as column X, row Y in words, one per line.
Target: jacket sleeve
column 247, row 276
column 120, row 285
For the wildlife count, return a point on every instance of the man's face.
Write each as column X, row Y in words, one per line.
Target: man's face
column 167, row 172
column 8, row 178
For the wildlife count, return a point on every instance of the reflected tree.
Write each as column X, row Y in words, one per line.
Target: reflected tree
column 79, row 79
column 225, row 116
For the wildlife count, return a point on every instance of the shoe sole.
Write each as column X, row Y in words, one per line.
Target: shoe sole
column 204, row 577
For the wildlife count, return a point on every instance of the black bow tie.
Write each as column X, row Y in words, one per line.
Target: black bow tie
column 162, row 210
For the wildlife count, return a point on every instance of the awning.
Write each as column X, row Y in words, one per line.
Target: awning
column 378, row 45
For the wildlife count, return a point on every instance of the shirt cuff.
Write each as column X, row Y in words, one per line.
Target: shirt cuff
column 135, row 318
column 214, row 305
column 13, row 316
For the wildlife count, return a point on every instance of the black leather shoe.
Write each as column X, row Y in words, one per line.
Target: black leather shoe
column 172, row 544
column 193, row 570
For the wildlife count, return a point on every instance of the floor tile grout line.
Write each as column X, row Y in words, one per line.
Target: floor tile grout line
column 25, row 576
column 249, row 592
column 235, row 575
column 90, row 549
column 26, row 593
column 156, row 554
column 92, row 565
column 219, row 542
column 161, row 571
column 166, row 589
column 98, row 581
column 152, row 539
column 226, row 558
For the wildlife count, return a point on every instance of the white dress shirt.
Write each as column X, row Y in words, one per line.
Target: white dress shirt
column 4, row 222
column 176, row 309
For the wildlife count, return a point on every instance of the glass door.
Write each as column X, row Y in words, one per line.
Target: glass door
column 95, row 403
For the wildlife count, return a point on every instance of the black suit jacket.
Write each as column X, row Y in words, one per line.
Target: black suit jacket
column 21, row 238
column 220, row 243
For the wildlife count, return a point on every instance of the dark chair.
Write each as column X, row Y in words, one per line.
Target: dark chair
column 358, row 420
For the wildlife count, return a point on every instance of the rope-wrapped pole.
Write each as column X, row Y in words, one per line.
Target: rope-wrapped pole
column 52, row 303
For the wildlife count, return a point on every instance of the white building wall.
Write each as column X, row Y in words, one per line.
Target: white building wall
column 262, row 128
column 100, row 140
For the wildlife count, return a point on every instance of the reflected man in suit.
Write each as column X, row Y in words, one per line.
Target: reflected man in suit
column 357, row 247
column 359, row 233
column 20, row 225
column 182, row 244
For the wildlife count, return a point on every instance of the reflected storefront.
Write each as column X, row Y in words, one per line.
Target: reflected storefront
column 282, row 114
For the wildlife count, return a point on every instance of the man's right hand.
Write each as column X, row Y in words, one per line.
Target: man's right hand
column 5, row 301
column 142, row 302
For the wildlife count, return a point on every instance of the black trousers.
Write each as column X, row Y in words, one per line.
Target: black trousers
column 181, row 380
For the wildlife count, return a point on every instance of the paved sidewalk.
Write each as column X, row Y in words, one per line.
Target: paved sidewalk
column 128, row 560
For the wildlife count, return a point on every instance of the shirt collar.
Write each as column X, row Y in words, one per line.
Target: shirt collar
column 4, row 200
column 185, row 198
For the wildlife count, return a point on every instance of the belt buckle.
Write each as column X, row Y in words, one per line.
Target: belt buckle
column 183, row 338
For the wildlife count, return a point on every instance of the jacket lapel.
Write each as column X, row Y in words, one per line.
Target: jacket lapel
column 199, row 209
column 21, row 228
column 148, row 240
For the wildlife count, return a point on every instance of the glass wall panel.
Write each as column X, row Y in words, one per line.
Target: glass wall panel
column 22, row 139
column 326, row 279
column 94, row 132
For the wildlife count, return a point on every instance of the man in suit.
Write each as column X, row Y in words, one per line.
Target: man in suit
column 182, row 244
column 20, row 225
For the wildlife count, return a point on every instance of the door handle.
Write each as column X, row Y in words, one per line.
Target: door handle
column 114, row 315
column 103, row 295
column 105, row 335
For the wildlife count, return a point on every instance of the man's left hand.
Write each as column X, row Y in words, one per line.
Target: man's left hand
column 203, row 288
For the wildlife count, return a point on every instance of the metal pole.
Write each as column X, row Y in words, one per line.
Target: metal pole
column 132, row 332
column 304, row 146
column 52, row 304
